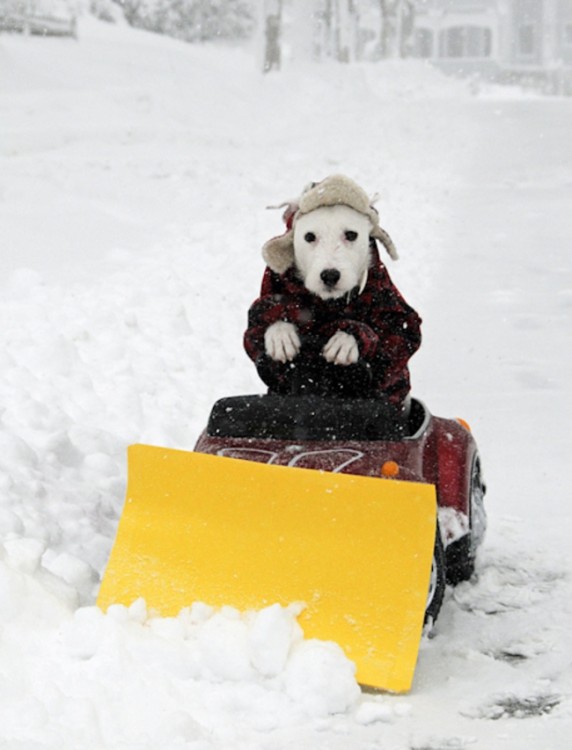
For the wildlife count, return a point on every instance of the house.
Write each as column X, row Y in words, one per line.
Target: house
column 42, row 17
column 526, row 41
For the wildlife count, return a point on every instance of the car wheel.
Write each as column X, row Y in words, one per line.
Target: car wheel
column 461, row 554
column 436, row 582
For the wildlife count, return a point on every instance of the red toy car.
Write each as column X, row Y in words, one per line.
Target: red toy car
column 366, row 437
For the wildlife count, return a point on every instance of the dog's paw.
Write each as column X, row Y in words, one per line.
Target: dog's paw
column 282, row 342
column 341, row 349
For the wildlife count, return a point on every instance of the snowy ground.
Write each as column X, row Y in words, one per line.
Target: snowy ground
column 134, row 172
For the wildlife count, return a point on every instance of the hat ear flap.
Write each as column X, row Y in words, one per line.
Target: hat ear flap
column 278, row 252
column 380, row 234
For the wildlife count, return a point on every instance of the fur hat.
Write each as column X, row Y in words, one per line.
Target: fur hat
column 335, row 190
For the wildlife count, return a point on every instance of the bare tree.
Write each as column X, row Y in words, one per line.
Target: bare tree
column 342, row 24
column 407, row 28
column 328, row 28
column 272, row 35
column 397, row 26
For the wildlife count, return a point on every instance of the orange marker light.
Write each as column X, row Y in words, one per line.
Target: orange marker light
column 390, row 469
column 464, row 424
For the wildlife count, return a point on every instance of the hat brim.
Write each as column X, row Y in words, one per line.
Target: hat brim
column 278, row 253
column 380, row 234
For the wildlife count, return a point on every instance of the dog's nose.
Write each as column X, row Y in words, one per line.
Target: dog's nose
column 330, row 276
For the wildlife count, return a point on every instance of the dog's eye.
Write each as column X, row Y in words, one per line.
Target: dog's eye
column 310, row 237
column 350, row 235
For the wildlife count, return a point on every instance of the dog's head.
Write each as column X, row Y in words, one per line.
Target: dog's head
column 331, row 250
column 329, row 229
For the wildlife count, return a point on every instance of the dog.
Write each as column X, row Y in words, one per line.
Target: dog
column 328, row 310
column 332, row 255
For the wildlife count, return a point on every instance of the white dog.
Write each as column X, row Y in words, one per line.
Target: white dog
column 332, row 255
column 328, row 314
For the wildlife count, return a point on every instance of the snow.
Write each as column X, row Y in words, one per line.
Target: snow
column 134, row 172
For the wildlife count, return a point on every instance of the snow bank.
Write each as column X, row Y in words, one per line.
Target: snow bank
column 92, row 673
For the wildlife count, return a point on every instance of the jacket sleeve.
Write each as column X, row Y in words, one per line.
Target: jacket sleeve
column 397, row 324
column 272, row 306
column 364, row 334
column 386, row 328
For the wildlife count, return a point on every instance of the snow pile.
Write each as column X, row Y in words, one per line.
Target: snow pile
column 196, row 672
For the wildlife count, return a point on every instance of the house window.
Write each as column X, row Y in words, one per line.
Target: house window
column 423, row 43
column 527, row 39
column 466, row 41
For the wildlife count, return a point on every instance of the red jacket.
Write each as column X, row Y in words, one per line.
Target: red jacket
column 387, row 329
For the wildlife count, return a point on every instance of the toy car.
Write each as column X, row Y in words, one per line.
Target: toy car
column 368, row 438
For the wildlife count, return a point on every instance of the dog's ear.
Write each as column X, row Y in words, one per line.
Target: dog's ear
column 278, row 252
column 380, row 234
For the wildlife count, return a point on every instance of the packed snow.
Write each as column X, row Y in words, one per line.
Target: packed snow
column 134, row 175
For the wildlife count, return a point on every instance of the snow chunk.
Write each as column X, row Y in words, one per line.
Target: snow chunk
column 31, row 599
column 370, row 712
column 70, row 569
column 270, row 638
column 83, row 636
column 24, row 554
column 15, row 452
column 10, row 523
column 321, row 677
column 223, row 640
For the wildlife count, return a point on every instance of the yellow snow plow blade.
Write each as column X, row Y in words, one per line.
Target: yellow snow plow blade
column 356, row 550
